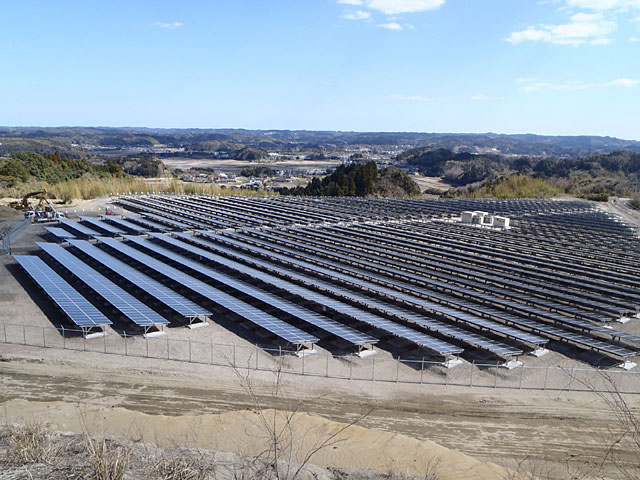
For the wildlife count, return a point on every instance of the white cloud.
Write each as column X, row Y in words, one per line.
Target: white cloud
column 479, row 98
column 623, row 82
column 350, row 2
column 634, row 39
column 394, row 7
column 591, row 28
column 410, row 98
column 169, row 25
column 530, row 85
column 602, row 5
column 391, row 26
column 357, row 15
column 569, row 86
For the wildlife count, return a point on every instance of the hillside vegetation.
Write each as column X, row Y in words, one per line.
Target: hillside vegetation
column 359, row 181
column 616, row 173
column 515, row 186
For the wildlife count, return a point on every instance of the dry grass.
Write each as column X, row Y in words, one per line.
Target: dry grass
column 108, row 461
column 30, row 444
column 185, row 467
column 89, row 188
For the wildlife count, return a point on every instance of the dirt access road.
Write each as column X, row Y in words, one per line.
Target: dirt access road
column 502, row 426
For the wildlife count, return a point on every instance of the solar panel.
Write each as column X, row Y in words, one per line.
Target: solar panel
column 67, row 298
column 147, row 224
column 126, row 224
column 78, row 227
column 168, row 221
column 495, row 300
column 163, row 294
column 536, row 326
column 377, row 321
column 390, row 288
column 60, row 233
column 125, row 303
column 268, row 322
column 304, row 314
column 102, row 225
column 366, row 301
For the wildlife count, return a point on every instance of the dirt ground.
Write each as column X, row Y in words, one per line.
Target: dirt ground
column 430, row 182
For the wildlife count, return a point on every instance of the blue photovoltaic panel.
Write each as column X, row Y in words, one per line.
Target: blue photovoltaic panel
column 59, row 232
column 148, row 224
column 74, row 305
column 126, row 224
column 124, row 302
column 102, row 225
column 78, row 227
column 249, row 312
column 171, row 299
column 309, row 316
column 432, row 324
column 377, row 321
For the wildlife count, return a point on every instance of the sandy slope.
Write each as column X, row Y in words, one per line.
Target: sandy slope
column 245, row 432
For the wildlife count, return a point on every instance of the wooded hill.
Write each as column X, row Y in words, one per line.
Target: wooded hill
column 617, row 173
column 361, row 181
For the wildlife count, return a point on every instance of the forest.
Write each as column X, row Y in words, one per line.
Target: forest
column 359, row 180
column 616, row 173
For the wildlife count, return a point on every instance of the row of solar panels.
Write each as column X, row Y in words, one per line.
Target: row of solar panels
column 436, row 303
column 480, row 292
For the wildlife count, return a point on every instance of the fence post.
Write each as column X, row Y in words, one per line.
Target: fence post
column 373, row 368
column 495, row 384
column 521, row 374
column 125, row 343
column 104, row 338
column 64, row 340
column 44, row 340
column 6, row 340
column 168, row 349
column 421, row 370
column 234, row 355
column 546, row 373
column 211, row 351
column 189, row 350
column 326, row 368
column 146, row 338
column 24, row 335
column 303, row 355
column 473, row 364
column 84, row 342
column 256, row 356
column 350, row 369
column 398, row 369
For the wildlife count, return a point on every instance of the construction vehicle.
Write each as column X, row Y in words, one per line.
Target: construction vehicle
column 43, row 211
column 25, row 204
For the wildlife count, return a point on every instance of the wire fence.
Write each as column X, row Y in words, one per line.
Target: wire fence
column 373, row 368
column 11, row 235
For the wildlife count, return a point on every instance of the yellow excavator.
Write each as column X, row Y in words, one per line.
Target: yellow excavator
column 25, row 204
column 42, row 212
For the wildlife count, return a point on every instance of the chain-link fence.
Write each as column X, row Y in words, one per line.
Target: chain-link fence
column 374, row 368
column 11, row 235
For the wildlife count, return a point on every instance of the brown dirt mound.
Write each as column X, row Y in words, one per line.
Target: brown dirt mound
column 243, row 433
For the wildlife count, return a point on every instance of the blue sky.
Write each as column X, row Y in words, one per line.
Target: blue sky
column 559, row 67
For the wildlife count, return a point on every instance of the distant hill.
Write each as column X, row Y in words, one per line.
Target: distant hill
column 359, row 180
column 67, row 139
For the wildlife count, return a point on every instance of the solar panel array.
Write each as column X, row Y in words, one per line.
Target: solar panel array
column 268, row 322
column 367, row 270
column 168, row 297
column 129, row 306
column 68, row 299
